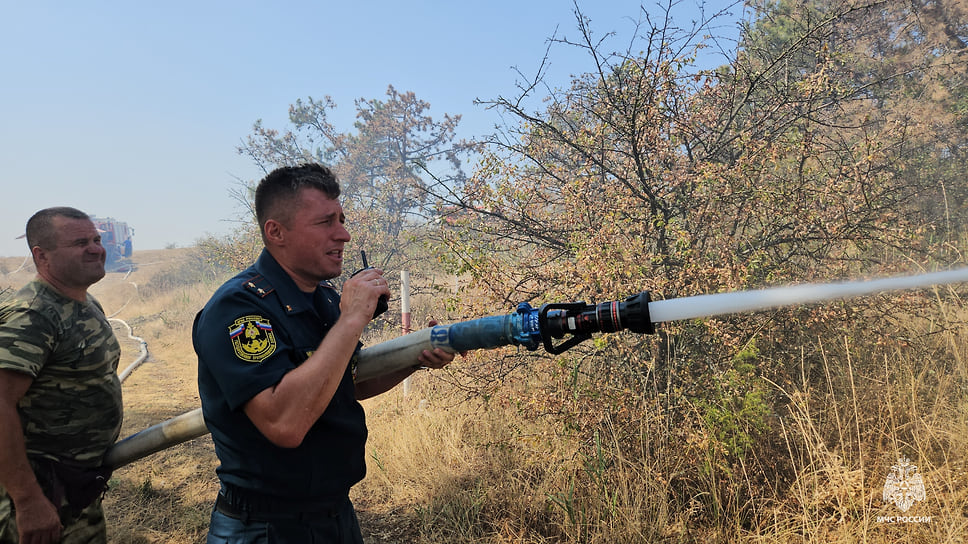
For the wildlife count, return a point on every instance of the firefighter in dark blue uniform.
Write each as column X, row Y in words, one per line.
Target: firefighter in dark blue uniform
column 275, row 377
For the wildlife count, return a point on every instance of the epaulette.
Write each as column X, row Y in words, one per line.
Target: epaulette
column 258, row 285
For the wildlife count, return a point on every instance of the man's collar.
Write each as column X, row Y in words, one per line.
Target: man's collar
column 292, row 298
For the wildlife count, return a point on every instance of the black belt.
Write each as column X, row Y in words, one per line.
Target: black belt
column 286, row 511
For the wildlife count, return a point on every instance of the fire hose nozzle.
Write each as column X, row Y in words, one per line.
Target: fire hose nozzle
column 634, row 312
column 581, row 320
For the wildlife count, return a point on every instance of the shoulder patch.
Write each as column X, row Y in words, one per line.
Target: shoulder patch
column 259, row 285
column 252, row 338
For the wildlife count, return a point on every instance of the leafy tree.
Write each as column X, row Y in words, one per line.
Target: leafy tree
column 784, row 164
column 791, row 162
column 381, row 164
column 885, row 64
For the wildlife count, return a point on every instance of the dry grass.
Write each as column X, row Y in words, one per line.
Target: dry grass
column 167, row 497
column 443, row 468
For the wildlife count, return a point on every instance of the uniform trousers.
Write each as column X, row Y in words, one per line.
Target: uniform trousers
column 336, row 526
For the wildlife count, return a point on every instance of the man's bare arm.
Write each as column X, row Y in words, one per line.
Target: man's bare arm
column 37, row 518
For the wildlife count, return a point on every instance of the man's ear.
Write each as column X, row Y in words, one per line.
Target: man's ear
column 40, row 256
column 274, row 232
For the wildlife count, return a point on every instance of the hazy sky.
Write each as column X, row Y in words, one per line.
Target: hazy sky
column 134, row 110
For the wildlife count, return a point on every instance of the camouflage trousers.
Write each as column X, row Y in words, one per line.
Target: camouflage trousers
column 87, row 528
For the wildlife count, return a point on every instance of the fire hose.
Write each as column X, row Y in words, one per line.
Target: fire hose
column 532, row 328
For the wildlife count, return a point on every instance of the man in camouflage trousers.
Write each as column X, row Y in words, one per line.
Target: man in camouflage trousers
column 60, row 396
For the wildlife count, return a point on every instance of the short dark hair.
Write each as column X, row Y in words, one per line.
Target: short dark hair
column 277, row 192
column 40, row 226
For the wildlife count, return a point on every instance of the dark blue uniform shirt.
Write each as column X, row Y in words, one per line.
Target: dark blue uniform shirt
column 257, row 327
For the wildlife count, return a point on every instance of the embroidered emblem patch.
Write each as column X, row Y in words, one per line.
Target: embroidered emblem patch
column 252, row 338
